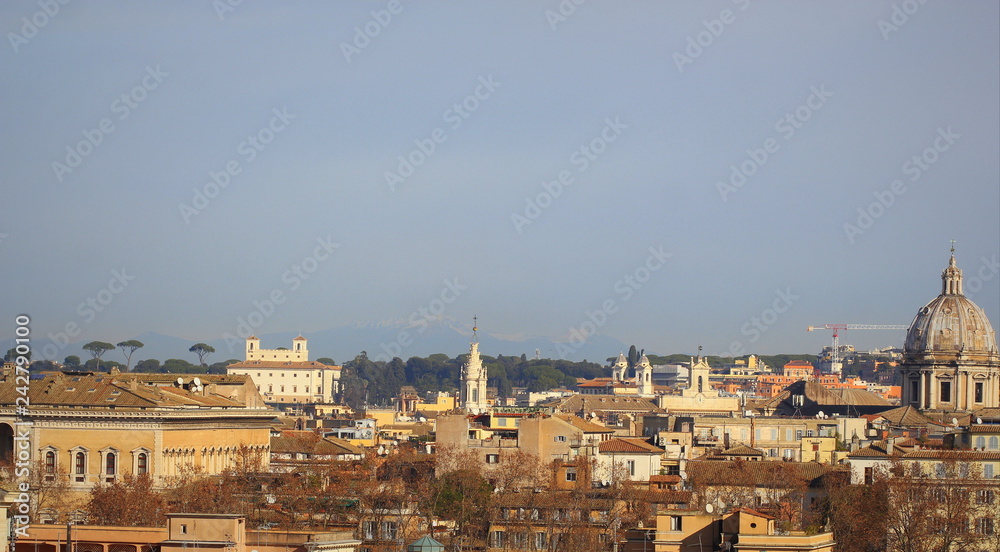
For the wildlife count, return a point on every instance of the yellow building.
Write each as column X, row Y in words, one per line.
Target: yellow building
column 88, row 428
column 744, row 530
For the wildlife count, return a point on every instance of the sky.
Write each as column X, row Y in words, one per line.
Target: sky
column 670, row 174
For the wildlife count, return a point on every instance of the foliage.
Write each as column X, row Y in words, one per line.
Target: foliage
column 129, row 347
column 97, row 349
column 130, row 502
column 202, row 350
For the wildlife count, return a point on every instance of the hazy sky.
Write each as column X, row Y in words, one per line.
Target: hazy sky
column 176, row 166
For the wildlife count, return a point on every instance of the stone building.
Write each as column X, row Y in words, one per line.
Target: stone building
column 950, row 359
column 90, row 428
column 287, row 376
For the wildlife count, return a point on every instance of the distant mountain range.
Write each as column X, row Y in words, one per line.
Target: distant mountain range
column 381, row 340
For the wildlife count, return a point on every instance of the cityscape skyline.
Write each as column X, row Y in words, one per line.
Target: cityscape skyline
column 719, row 175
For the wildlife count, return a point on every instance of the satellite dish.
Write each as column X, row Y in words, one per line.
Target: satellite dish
column 979, row 421
column 954, row 422
column 180, row 381
column 197, row 382
column 821, row 415
column 709, row 508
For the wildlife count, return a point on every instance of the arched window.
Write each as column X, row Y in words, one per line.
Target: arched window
column 142, row 464
column 699, row 384
column 50, row 463
column 80, row 466
column 110, row 466
column 980, row 442
column 475, row 395
column 994, row 443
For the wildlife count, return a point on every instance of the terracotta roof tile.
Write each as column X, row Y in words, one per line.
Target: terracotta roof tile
column 621, row 444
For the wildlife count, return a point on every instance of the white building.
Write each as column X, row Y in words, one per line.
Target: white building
column 473, row 397
column 287, row 376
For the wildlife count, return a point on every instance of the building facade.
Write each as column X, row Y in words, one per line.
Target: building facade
column 287, row 376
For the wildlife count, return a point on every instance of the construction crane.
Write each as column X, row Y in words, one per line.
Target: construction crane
column 835, row 353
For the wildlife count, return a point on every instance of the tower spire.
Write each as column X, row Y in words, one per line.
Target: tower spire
column 951, row 278
column 475, row 327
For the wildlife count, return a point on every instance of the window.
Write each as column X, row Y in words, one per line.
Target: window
column 988, row 471
column 50, row 463
column 699, row 384
column 282, row 388
column 939, row 470
column 389, row 530
column 307, row 389
column 788, row 434
column 980, row 442
column 80, row 466
column 945, row 395
column 985, row 496
column 869, row 475
column 295, row 389
column 368, row 530
column 675, row 523
column 492, row 458
column 184, row 529
column 496, row 539
column 540, row 543
column 984, row 526
column 774, row 434
column 570, row 474
column 914, row 391
column 110, row 467
column 994, row 443
column 560, row 438
column 979, row 392
column 630, row 464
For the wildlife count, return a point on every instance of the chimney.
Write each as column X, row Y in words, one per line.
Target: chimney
column 890, row 445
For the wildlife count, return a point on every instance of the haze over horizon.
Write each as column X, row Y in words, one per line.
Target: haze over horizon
column 720, row 174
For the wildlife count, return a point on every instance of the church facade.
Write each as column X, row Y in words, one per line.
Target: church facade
column 950, row 361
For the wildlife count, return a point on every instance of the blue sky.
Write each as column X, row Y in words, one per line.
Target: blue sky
column 116, row 116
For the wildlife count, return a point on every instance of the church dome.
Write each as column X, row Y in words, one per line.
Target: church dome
column 951, row 322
